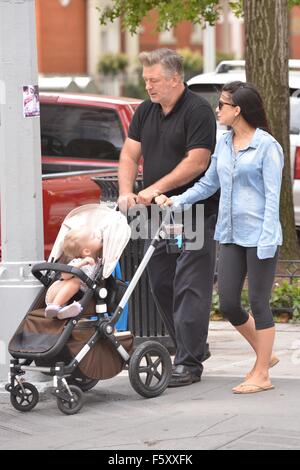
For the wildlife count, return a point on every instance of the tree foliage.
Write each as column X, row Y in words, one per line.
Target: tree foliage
column 170, row 12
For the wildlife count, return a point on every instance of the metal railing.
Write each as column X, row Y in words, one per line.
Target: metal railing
column 291, row 270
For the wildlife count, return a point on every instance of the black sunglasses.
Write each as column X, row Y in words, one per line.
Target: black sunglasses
column 221, row 104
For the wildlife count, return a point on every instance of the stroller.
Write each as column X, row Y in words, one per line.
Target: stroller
column 80, row 351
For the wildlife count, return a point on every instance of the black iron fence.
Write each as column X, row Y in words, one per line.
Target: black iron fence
column 288, row 269
column 144, row 320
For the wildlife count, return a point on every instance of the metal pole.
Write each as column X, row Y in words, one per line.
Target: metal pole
column 20, row 168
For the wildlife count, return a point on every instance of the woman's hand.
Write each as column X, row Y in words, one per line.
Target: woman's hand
column 163, row 200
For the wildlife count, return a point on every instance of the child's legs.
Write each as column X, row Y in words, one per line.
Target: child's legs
column 63, row 291
column 52, row 292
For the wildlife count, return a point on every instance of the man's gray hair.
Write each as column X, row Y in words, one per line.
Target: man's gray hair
column 169, row 59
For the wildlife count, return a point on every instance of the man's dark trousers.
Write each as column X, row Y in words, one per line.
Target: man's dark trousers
column 182, row 287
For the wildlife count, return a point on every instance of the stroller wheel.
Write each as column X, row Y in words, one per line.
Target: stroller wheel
column 84, row 383
column 24, row 397
column 71, row 405
column 150, row 369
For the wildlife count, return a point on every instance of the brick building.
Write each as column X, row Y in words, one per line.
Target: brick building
column 71, row 40
column 295, row 33
column 62, row 36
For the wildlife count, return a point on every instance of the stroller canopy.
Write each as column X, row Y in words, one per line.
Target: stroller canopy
column 111, row 224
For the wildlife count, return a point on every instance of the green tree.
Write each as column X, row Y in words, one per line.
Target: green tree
column 267, row 53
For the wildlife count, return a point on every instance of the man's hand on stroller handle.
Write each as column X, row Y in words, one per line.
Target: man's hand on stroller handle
column 125, row 201
column 147, row 195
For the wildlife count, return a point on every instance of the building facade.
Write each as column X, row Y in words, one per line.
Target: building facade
column 71, row 40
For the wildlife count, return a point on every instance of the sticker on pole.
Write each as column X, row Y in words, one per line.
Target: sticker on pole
column 31, row 101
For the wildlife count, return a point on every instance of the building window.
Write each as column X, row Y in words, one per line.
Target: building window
column 167, row 37
column 104, row 41
column 64, row 3
column 197, row 34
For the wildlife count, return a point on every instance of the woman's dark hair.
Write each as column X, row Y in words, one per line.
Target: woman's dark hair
column 247, row 97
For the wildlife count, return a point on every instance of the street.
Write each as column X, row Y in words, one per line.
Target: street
column 205, row 415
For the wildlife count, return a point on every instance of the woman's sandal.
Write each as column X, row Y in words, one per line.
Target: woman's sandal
column 245, row 388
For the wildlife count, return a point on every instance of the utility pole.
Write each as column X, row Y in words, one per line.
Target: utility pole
column 209, row 48
column 20, row 168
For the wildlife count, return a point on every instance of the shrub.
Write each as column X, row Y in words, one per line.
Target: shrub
column 113, row 64
column 286, row 295
column 134, row 84
column 192, row 62
column 223, row 56
column 285, row 298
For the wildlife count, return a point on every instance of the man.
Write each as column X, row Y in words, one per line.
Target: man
column 175, row 132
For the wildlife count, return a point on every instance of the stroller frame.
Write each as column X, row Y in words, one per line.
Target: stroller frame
column 24, row 395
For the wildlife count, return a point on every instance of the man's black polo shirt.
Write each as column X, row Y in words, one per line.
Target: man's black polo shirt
column 166, row 139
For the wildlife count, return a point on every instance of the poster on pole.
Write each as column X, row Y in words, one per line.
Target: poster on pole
column 31, row 101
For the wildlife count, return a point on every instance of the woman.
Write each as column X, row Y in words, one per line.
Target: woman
column 247, row 166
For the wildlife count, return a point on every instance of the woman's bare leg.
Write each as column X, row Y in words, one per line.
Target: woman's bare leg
column 249, row 332
column 260, row 373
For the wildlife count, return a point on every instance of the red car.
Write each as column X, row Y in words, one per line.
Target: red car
column 81, row 132
column 81, row 138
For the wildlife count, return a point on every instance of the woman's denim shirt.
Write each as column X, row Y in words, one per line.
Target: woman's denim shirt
column 250, row 184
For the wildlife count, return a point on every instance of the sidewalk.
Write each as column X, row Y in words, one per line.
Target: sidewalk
column 205, row 415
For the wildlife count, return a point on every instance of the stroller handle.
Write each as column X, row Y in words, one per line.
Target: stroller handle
column 59, row 267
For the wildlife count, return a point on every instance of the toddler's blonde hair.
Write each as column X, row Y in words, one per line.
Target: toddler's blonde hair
column 73, row 243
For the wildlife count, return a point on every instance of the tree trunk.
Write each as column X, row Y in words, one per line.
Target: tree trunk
column 267, row 53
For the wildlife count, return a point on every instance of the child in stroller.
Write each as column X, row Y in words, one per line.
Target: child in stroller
column 79, row 353
column 83, row 246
